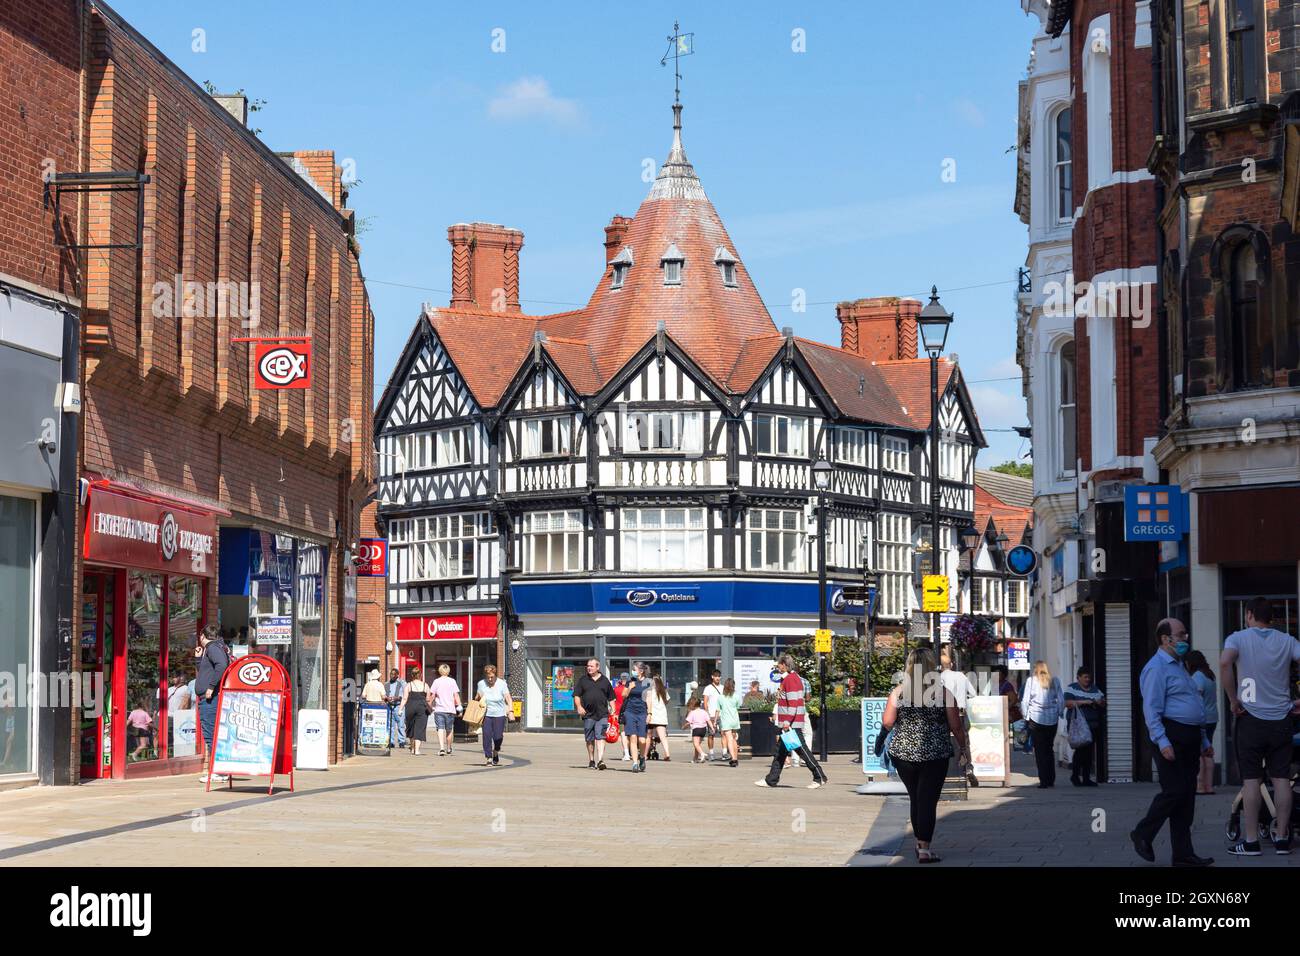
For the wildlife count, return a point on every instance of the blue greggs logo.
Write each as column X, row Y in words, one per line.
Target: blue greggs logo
column 1155, row 513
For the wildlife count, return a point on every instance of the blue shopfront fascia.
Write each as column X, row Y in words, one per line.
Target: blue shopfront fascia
column 664, row 596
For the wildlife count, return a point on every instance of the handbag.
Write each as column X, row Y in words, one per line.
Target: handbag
column 475, row 711
column 612, row 732
column 791, row 739
column 1079, row 733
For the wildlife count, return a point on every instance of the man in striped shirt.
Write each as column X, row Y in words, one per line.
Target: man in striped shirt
column 790, row 715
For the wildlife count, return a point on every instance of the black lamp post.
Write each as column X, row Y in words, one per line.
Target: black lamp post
column 970, row 540
column 934, row 321
column 822, row 480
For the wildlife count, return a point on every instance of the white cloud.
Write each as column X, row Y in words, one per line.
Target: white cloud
column 968, row 111
column 996, row 408
column 530, row 97
column 1003, row 368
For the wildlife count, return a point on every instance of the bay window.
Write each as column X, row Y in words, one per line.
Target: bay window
column 776, row 539
column 895, row 557
column 851, row 446
column 546, row 436
column 672, row 432
column 895, row 455
column 552, row 542
column 781, row 435
column 442, row 547
column 663, row 539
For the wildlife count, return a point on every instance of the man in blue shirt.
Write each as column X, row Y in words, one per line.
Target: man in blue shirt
column 1174, row 716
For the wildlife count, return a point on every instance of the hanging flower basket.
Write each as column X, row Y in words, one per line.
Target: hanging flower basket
column 973, row 634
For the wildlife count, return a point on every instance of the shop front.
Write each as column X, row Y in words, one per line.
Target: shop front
column 683, row 630
column 466, row 643
column 146, row 590
column 272, row 590
column 38, row 455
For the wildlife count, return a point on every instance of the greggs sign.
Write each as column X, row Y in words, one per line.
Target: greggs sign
column 147, row 533
column 456, row 627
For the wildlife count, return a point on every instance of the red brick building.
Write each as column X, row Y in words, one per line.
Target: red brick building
column 41, row 298
column 1227, row 158
column 1116, row 350
column 204, row 499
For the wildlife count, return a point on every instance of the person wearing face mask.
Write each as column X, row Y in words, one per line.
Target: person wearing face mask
column 1175, row 715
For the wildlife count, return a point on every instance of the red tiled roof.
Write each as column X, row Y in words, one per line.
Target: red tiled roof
column 1007, row 518
column 727, row 331
column 909, row 380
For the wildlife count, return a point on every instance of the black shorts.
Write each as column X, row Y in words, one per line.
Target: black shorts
column 1263, row 747
column 699, row 732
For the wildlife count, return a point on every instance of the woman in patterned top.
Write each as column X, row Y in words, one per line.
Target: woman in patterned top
column 923, row 716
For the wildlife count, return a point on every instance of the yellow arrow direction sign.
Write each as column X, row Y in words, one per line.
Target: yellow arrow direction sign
column 934, row 592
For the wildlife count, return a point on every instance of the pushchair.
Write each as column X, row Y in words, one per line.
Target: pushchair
column 1269, row 809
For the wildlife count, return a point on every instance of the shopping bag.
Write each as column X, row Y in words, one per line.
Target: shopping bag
column 475, row 711
column 1080, row 734
column 791, row 739
column 612, row 732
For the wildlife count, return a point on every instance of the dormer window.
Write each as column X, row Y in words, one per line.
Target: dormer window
column 726, row 264
column 621, row 263
column 672, row 261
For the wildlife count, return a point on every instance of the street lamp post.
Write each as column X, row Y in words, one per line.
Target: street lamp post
column 934, row 321
column 822, row 480
column 970, row 539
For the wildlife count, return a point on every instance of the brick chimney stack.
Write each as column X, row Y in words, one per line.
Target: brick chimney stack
column 485, row 266
column 615, row 233
column 882, row 329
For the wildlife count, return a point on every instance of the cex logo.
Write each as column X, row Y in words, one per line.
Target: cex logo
column 254, row 673
column 284, row 365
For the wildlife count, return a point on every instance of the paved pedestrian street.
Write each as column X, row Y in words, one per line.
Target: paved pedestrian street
column 542, row 806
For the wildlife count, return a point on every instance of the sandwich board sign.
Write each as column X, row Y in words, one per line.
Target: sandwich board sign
column 252, row 737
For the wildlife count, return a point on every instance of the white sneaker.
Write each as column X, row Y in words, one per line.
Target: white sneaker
column 709, row 755
column 762, row 783
column 814, row 785
column 627, row 756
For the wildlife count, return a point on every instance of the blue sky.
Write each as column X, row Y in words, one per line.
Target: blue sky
column 826, row 165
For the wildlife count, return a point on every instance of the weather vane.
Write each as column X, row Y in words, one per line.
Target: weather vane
column 679, row 45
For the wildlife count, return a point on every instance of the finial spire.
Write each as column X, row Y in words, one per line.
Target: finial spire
column 680, row 45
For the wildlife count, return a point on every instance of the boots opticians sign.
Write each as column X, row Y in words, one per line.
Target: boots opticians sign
column 139, row 532
column 456, row 627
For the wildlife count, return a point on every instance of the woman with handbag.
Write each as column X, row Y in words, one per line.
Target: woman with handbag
column 498, row 708
column 1084, row 701
column 1043, row 704
column 416, row 707
column 635, row 712
column 921, row 727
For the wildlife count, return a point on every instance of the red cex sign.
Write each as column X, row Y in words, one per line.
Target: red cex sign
column 373, row 553
column 144, row 533
column 283, row 364
column 455, row 627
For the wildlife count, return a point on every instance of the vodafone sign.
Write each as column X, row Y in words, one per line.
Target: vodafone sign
column 455, row 627
column 373, row 553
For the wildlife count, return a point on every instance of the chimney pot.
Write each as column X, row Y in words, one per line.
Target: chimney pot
column 881, row 329
column 485, row 266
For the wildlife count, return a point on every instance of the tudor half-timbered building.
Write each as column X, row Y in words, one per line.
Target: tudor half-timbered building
column 633, row 480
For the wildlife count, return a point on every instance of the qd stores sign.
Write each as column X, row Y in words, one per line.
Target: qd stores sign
column 148, row 534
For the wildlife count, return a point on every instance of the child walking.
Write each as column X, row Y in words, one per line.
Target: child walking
column 701, row 724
